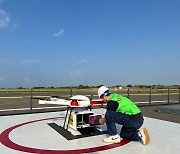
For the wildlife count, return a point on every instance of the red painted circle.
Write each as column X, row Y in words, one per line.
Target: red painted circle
column 5, row 140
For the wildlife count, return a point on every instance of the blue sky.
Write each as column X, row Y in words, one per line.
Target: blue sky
column 89, row 42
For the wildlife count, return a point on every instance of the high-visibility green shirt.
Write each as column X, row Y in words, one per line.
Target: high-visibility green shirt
column 125, row 105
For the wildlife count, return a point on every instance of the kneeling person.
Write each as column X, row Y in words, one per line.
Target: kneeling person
column 123, row 111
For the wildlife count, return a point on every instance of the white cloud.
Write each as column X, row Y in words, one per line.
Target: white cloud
column 30, row 61
column 1, row 1
column 77, row 73
column 59, row 33
column 1, row 79
column 13, row 27
column 25, row 61
column 2, row 60
column 80, row 72
column 4, row 19
column 81, row 61
column 27, row 80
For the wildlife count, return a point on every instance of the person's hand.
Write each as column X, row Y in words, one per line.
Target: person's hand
column 102, row 121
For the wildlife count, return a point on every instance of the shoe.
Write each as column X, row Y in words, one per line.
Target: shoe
column 113, row 139
column 143, row 134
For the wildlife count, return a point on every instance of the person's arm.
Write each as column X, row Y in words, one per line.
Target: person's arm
column 112, row 105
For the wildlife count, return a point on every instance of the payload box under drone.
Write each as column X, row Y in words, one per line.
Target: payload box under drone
column 79, row 114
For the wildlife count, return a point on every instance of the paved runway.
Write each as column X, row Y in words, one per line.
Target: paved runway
column 31, row 133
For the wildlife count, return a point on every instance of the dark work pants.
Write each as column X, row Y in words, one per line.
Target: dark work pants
column 129, row 129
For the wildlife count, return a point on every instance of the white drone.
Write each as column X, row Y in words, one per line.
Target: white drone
column 74, row 101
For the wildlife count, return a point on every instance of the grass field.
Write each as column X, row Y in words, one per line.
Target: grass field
column 94, row 90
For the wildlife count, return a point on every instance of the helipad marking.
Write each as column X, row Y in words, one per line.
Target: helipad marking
column 6, row 141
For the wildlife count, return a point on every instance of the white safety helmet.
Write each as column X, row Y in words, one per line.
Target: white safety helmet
column 103, row 90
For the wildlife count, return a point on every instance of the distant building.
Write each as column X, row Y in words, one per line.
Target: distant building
column 116, row 88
